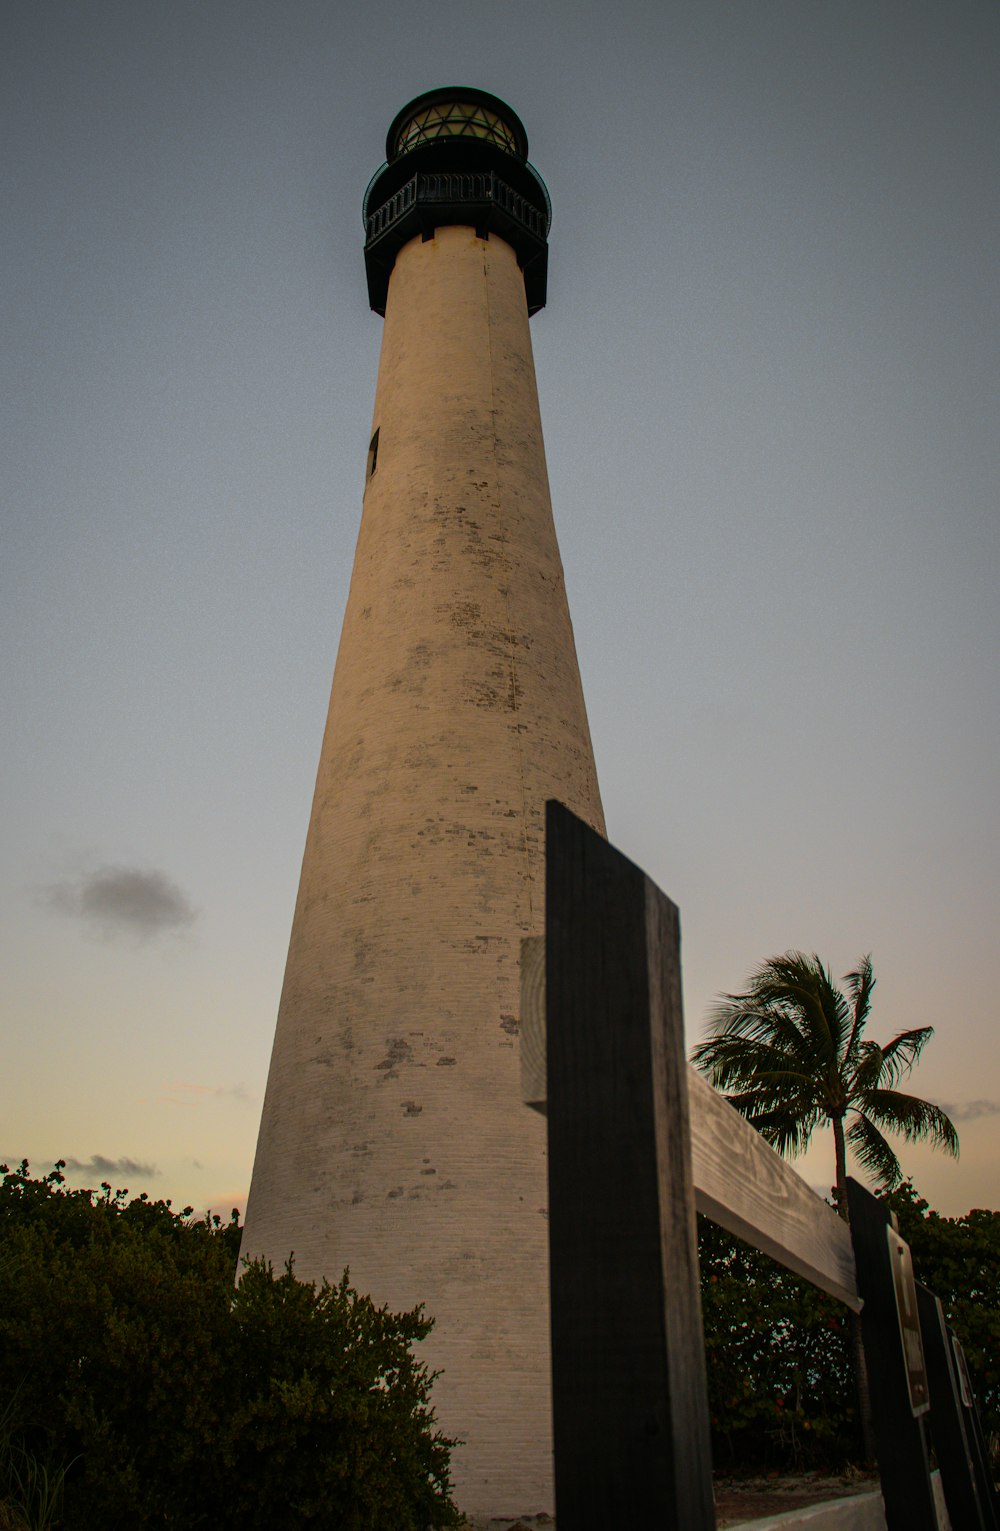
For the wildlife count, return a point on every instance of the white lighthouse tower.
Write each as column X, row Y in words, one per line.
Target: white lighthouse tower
column 392, row 1138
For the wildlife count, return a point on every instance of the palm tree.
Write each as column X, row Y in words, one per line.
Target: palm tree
column 792, row 1055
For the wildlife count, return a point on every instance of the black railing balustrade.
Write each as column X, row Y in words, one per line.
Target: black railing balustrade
column 451, row 187
column 399, row 203
column 513, row 203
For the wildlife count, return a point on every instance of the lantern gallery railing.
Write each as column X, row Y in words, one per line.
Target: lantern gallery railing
column 478, row 189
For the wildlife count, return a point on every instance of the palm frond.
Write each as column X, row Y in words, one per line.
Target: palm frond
column 899, row 1055
column 787, row 1131
column 744, row 1062
column 917, row 1120
column 746, row 1015
column 873, row 1152
column 836, row 1011
column 883, row 1067
column 785, row 1099
column 801, row 986
column 787, row 1125
column 790, row 1000
column 859, row 985
column 867, row 1070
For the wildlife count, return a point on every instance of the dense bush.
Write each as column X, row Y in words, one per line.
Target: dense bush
column 128, row 1361
column 781, row 1393
column 127, row 1357
column 780, row 1386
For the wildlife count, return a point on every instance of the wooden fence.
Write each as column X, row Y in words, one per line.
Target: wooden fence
column 637, row 1143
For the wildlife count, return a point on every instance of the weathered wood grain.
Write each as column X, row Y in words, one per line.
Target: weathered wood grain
column 739, row 1181
column 748, row 1188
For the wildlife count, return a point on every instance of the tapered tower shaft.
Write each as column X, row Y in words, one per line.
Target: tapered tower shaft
column 392, row 1137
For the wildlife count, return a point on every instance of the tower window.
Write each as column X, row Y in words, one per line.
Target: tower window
column 455, row 119
column 372, row 455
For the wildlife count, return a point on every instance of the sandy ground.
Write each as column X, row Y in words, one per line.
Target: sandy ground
column 736, row 1500
column 749, row 1499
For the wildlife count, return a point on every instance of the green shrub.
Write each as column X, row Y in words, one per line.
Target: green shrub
column 778, row 1362
column 179, row 1401
column 781, row 1393
column 32, row 1487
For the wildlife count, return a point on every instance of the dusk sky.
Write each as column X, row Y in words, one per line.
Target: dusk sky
column 769, row 377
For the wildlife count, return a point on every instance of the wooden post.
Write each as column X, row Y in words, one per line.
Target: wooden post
column 954, row 1449
column 903, row 1462
column 974, row 1432
column 630, row 1405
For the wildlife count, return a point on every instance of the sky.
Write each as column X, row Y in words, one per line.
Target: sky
column 768, row 373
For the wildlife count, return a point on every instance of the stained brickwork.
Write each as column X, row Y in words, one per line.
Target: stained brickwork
column 393, row 1139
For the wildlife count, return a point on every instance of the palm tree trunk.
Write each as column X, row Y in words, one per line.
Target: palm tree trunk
column 854, row 1319
column 840, row 1150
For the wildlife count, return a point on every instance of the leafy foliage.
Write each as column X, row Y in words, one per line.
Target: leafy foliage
column 174, row 1399
column 778, row 1350
column 778, row 1361
column 32, row 1486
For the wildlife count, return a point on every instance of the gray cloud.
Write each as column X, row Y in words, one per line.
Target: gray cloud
column 972, row 1110
column 236, row 1092
column 123, row 901
column 180, row 1093
column 99, row 1165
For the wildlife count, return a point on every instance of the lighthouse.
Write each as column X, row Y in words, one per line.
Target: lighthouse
column 392, row 1138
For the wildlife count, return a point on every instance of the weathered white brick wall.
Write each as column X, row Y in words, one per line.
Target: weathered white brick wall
column 393, row 1139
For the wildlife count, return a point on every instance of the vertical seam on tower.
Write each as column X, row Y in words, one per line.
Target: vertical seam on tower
column 507, row 580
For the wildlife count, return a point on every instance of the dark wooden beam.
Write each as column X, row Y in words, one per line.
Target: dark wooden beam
column 629, row 1394
column 904, row 1466
column 952, row 1445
